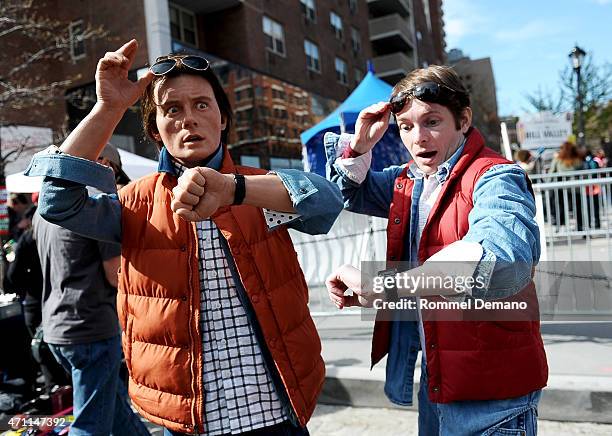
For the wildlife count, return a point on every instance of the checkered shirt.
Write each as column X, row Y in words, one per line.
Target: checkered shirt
column 239, row 394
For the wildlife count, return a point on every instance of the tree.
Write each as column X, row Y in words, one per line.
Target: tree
column 34, row 46
column 596, row 85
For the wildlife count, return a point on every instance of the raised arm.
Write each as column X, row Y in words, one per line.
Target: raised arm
column 115, row 94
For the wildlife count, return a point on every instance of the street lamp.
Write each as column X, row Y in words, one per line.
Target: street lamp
column 576, row 57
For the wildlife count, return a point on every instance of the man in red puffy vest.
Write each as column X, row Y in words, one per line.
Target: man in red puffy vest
column 483, row 360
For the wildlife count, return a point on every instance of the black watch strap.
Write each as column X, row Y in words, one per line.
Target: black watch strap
column 240, row 189
column 391, row 293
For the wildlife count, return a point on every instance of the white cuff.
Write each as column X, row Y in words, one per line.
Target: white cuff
column 275, row 218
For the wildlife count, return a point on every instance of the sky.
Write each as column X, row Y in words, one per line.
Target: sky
column 528, row 41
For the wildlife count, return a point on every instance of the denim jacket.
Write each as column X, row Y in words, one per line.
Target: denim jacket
column 502, row 222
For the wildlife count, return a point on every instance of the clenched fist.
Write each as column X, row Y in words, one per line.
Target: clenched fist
column 200, row 192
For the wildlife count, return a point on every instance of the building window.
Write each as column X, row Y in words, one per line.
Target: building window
column 183, row 25
column 341, row 73
column 358, row 75
column 336, row 24
column 312, row 56
column 352, row 6
column 308, row 10
column 77, row 44
column 278, row 94
column 355, row 40
column 275, row 37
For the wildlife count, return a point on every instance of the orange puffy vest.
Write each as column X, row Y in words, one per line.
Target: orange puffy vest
column 466, row 360
column 159, row 299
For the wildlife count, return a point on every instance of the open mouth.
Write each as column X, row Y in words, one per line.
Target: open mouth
column 426, row 154
column 192, row 138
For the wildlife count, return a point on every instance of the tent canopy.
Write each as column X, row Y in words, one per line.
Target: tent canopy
column 134, row 166
column 387, row 152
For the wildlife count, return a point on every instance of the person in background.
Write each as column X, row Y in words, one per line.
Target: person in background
column 568, row 158
column 24, row 277
column 593, row 192
column 600, row 158
column 526, row 161
column 80, row 325
column 110, row 157
column 17, row 204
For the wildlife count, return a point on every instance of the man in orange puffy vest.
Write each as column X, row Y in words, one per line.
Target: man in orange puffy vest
column 217, row 334
column 457, row 200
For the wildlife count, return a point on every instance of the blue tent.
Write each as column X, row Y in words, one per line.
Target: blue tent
column 389, row 149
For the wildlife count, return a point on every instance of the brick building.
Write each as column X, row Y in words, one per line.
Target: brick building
column 285, row 64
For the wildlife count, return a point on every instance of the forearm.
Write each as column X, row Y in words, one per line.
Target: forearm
column 111, row 268
column 266, row 191
column 433, row 278
column 92, row 134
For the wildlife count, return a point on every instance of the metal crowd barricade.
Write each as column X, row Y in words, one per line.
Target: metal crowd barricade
column 353, row 238
column 574, row 215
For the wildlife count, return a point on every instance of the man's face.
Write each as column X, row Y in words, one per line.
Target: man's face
column 428, row 131
column 188, row 119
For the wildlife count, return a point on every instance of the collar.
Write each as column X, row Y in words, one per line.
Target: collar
column 167, row 164
column 443, row 170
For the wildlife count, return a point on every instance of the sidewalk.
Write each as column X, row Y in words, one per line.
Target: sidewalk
column 579, row 358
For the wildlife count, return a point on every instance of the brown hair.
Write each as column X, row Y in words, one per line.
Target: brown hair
column 568, row 153
column 441, row 75
column 149, row 106
column 523, row 155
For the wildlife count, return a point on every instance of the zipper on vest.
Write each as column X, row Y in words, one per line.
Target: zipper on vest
column 193, row 345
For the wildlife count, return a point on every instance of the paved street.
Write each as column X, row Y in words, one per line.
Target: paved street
column 358, row 421
column 353, row 421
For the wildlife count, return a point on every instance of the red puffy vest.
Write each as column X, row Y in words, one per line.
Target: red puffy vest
column 466, row 360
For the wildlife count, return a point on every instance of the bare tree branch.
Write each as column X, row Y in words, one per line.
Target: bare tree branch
column 32, row 43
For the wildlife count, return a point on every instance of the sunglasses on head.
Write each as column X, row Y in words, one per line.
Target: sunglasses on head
column 165, row 64
column 429, row 92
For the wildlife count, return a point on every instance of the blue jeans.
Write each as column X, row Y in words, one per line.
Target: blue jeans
column 514, row 416
column 282, row 429
column 101, row 405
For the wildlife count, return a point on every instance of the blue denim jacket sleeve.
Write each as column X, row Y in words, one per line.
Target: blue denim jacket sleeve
column 315, row 199
column 373, row 196
column 64, row 199
column 503, row 223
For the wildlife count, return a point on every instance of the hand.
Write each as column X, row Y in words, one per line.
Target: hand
column 371, row 125
column 349, row 277
column 113, row 88
column 200, row 192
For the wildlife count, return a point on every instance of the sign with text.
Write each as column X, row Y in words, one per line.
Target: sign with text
column 544, row 129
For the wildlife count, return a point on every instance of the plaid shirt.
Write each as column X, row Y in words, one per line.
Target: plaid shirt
column 239, row 392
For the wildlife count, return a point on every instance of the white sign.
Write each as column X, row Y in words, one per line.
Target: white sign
column 544, row 129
